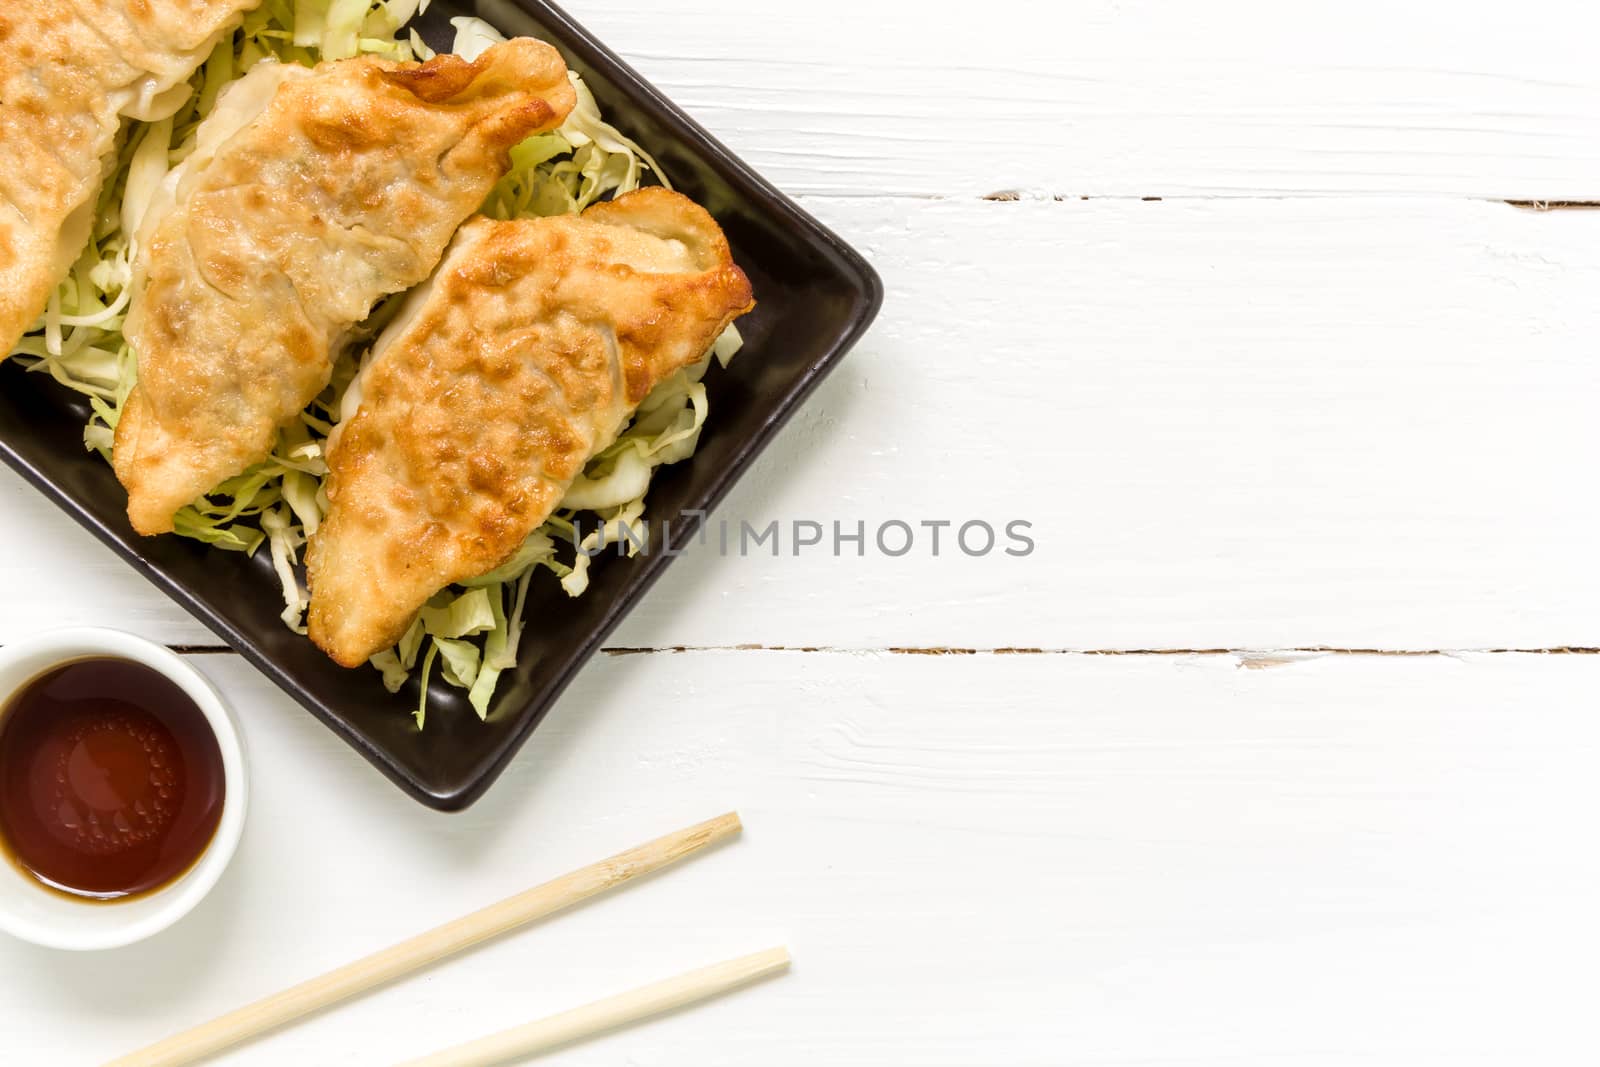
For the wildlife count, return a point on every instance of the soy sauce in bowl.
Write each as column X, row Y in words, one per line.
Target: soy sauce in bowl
column 111, row 780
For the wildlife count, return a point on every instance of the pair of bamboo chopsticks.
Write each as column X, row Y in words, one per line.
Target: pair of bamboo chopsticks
column 513, row 912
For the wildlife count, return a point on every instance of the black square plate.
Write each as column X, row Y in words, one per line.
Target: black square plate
column 816, row 297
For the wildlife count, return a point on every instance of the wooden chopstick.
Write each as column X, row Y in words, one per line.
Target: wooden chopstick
column 424, row 949
column 555, row 1031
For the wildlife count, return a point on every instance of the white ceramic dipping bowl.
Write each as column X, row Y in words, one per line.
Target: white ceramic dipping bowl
column 30, row 911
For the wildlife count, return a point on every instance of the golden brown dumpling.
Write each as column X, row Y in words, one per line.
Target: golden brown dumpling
column 523, row 357
column 69, row 71
column 317, row 193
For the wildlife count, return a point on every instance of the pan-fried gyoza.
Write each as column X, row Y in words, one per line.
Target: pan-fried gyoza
column 69, row 71
column 312, row 195
column 522, row 358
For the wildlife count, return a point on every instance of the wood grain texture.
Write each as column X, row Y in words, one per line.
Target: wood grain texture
column 1324, row 393
column 1038, row 861
column 1233, row 424
column 1134, row 97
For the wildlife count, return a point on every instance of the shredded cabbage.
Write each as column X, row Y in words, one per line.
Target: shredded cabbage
column 472, row 632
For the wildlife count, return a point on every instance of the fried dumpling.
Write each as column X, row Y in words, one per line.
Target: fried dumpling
column 522, row 358
column 69, row 71
column 312, row 195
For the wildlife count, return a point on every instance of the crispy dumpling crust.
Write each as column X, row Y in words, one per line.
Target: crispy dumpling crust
column 524, row 356
column 345, row 188
column 69, row 69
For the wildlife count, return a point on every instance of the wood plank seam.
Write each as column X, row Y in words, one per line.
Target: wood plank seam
column 1013, row 196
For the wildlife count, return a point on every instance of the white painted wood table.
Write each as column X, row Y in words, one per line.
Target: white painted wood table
column 1280, row 748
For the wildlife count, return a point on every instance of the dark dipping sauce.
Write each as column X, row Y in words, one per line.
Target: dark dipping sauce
column 111, row 781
